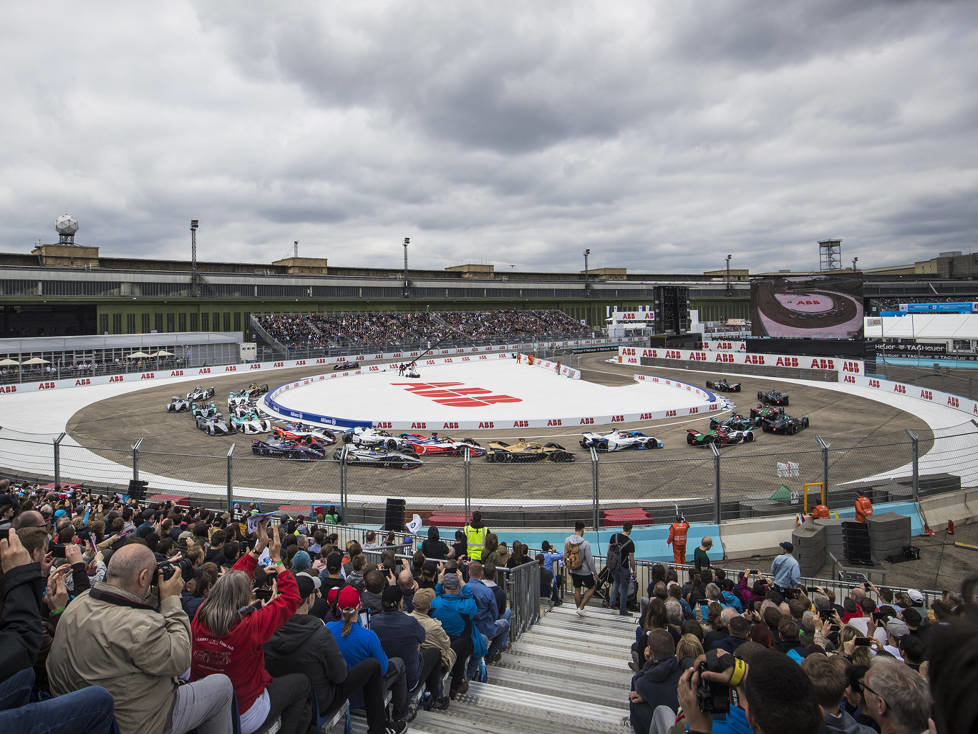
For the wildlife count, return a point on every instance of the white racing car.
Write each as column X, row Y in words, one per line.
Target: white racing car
column 200, row 393
column 619, row 441
column 371, row 438
column 178, row 404
column 251, row 423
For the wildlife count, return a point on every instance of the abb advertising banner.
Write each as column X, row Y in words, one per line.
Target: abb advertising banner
column 720, row 345
column 634, row 355
column 250, row 367
column 965, row 405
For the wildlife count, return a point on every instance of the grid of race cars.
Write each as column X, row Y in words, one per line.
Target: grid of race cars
column 364, row 446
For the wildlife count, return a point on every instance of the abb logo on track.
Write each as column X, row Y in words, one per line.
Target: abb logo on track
column 456, row 394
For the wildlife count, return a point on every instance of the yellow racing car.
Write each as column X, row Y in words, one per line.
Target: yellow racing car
column 523, row 452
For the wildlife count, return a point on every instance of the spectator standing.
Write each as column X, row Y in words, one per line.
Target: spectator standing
column 434, row 546
column 700, row 558
column 229, row 634
column 550, row 555
column 621, row 564
column 475, row 537
column 580, row 562
column 785, row 568
column 110, row 636
column 455, row 608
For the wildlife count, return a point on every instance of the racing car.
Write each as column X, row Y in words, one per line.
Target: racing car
column 285, row 449
column 203, row 411
column 378, row 457
column 369, row 437
column 719, row 436
column 238, row 399
column 784, row 424
column 345, row 366
column 723, row 386
column 735, row 422
column 298, row 432
column 619, row 441
column 773, row 397
column 522, row 452
column 200, row 393
column 178, row 404
column 242, row 409
column 435, row 445
column 251, row 423
column 760, row 414
column 215, row 425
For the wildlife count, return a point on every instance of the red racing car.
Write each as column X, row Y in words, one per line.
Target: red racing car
column 435, row 445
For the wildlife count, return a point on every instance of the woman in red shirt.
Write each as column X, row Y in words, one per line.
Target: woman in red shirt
column 229, row 632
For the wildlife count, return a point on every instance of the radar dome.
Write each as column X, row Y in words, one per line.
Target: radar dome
column 66, row 225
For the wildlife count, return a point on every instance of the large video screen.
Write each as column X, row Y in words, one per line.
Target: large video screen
column 814, row 307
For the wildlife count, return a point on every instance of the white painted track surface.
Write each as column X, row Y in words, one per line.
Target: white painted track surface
column 39, row 417
column 530, row 393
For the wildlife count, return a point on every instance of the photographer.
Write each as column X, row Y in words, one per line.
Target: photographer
column 776, row 696
column 115, row 637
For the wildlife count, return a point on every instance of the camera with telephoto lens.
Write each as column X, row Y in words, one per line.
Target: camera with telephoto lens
column 713, row 697
column 166, row 569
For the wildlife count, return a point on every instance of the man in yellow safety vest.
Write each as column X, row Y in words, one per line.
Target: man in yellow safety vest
column 475, row 537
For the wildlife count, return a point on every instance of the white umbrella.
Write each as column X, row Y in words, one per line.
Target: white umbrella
column 162, row 353
column 7, row 362
column 138, row 355
column 36, row 360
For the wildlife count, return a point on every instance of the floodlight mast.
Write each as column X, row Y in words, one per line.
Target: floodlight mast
column 407, row 293
column 194, row 291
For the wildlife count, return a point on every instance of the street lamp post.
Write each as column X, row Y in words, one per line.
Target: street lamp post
column 407, row 241
column 586, row 282
column 193, row 257
column 729, row 291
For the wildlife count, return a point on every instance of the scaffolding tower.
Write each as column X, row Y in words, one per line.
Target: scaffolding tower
column 830, row 255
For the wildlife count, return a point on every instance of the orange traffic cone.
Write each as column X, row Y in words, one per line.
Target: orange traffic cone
column 950, row 527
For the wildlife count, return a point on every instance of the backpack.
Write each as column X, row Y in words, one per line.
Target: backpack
column 614, row 553
column 573, row 558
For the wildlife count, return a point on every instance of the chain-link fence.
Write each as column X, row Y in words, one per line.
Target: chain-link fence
column 786, row 475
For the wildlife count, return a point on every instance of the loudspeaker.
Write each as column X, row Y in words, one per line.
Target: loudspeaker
column 137, row 489
column 671, row 310
column 394, row 514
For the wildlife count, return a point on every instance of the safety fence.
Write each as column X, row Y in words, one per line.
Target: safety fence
column 778, row 476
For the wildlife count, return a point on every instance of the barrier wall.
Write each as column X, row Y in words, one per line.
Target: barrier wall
column 634, row 355
column 710, row 403
column 252, row 367
column 965, row 405
column 724, row 345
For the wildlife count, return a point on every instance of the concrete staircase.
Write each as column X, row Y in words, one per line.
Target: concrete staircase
column 567, row 674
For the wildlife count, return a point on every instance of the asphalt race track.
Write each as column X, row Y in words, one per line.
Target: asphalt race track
column 852, row 425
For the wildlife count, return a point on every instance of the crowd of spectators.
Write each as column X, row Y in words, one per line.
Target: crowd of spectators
column 741, row 654
column 166, row 619
column 370, row 330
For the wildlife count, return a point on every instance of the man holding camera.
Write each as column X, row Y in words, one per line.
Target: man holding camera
column 114, row 636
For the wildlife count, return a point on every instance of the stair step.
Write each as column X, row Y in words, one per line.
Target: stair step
column 584, row 636
column 562, row 666
column 594, row 662
column 590, row 690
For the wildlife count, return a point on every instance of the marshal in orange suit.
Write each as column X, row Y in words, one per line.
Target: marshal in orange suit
column 677, row 539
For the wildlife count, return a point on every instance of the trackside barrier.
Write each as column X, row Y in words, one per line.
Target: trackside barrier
column 965, row 405
column 634, row 355
column 724, row 345
column 248, row 368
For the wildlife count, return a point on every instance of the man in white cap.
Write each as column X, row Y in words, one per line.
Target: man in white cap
column 917, row 599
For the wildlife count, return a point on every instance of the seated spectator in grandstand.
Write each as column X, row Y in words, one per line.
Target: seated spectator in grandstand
column 407, row 586
column 489, row 620
column 229, row 633
column 850, row 610
column 111, row 636
column 777, row 697
column 828, row 676
column 790, row 643
column 498, row 556
column 331, row 575
column 953, row 650
column 519, row 556
column 656, row 683
column 751, row 593
column 88, row 709
column 434, row 546
column 896, row 697
column 689, row 648
column 303, row 644
column 357, row 644
column 374, row 583
column 737, row 629
column 455, row 608
column 489, row 579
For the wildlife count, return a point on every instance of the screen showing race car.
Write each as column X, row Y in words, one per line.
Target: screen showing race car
column 815, row 307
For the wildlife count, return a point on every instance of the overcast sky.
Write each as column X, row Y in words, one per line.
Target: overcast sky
column 661, row 135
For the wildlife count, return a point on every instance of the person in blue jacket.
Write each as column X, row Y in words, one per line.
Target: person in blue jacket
column 455, row 608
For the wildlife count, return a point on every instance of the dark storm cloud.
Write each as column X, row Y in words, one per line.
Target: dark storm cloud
column 661, row 135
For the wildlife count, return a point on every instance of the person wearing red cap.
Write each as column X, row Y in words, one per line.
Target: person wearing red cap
column 357, row 643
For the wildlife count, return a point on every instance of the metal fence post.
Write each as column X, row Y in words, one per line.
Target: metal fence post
column 343, row 480
column 230, row 484
column 915, row 441
column 716, row 483
column 467, row 483
column 135, row 459
column 824, row 446
column 596, row 520
column 57, row 460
